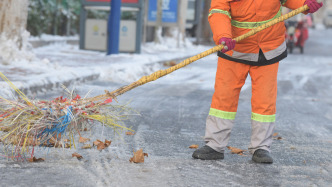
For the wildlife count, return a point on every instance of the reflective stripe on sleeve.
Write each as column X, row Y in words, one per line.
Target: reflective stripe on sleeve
column 213, row 11
column 222, row 114
column 251, row 25
column 263, row 118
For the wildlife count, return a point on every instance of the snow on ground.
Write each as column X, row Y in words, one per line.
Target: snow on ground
column 52, row 38
column 9, row 52
column 60, row 62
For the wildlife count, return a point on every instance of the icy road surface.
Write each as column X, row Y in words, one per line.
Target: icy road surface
column 173, row 112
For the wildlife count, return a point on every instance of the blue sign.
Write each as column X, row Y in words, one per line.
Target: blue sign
column 170, row 11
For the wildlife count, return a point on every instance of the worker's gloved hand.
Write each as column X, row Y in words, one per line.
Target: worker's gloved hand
column 228, row 43
column 313, row 5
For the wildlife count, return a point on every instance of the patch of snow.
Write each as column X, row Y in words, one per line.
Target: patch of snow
column 47, row 37
column 10, row 53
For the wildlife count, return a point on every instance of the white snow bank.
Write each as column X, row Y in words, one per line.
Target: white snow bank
column 59, row 62
column 47, row 37
column 11, row 53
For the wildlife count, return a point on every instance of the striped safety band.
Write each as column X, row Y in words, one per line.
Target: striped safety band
column 213, row 11
column 222, row 114
column 263, row 118
column 244, row 25
column 251, row 25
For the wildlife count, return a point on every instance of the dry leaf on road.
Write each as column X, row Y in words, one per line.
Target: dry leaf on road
column 130, row 133
column 78, row 156
column 34, row 159
column 86, row 146
column 97, row 142
column 235, row 150
column 83, row 140
column 275, row 136
column 138, row 156
column 170, row 63
column 108, row 143
column 101, row 145
column 194, row 146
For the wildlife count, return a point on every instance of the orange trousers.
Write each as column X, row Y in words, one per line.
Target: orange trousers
column 231, row 77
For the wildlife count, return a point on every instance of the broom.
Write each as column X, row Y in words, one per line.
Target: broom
column 26, row 123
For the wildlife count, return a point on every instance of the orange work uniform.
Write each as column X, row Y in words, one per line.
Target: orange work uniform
column 258, row 55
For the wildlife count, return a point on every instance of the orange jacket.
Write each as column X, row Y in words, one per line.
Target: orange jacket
column 232, row 18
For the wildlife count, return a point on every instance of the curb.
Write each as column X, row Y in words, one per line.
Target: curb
column 51, row 86
column 41, row 43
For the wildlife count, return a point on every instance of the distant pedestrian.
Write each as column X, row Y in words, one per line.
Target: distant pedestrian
column 301, row 34
column 259, row 56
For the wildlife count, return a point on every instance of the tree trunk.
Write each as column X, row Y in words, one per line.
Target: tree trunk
column 158, row 28
column 206, row 32
column 183, row 6
column 13, row 21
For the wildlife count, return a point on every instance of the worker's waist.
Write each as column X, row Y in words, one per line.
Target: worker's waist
column 257, row 56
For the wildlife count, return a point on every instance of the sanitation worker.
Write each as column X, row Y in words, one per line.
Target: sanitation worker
column 258, row 56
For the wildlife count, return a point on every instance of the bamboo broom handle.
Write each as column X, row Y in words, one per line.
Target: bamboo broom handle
column 156, row 75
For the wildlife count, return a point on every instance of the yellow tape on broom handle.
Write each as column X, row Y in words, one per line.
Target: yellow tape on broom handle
column 156, row 75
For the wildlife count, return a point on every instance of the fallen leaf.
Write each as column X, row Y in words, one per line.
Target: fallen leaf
column 235, row 150
column 138, row 156
column 78, row 156
column 83, row 140
column 57, row 145
column 170, row 63
column 194, row 146
column 97, row 142
column 85, row 129
column 86, row 146
column 108, row 143
column 130, row 133
column 101, row 146
column 275, row 134
column 277, row 138
column 66, row 140
column 34, row 159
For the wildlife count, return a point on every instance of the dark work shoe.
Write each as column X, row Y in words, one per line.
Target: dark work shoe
column 207, row 153
column 262, row 156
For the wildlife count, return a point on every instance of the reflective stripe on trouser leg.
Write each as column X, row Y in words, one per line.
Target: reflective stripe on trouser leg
column 217, row 132
column 261, row 135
